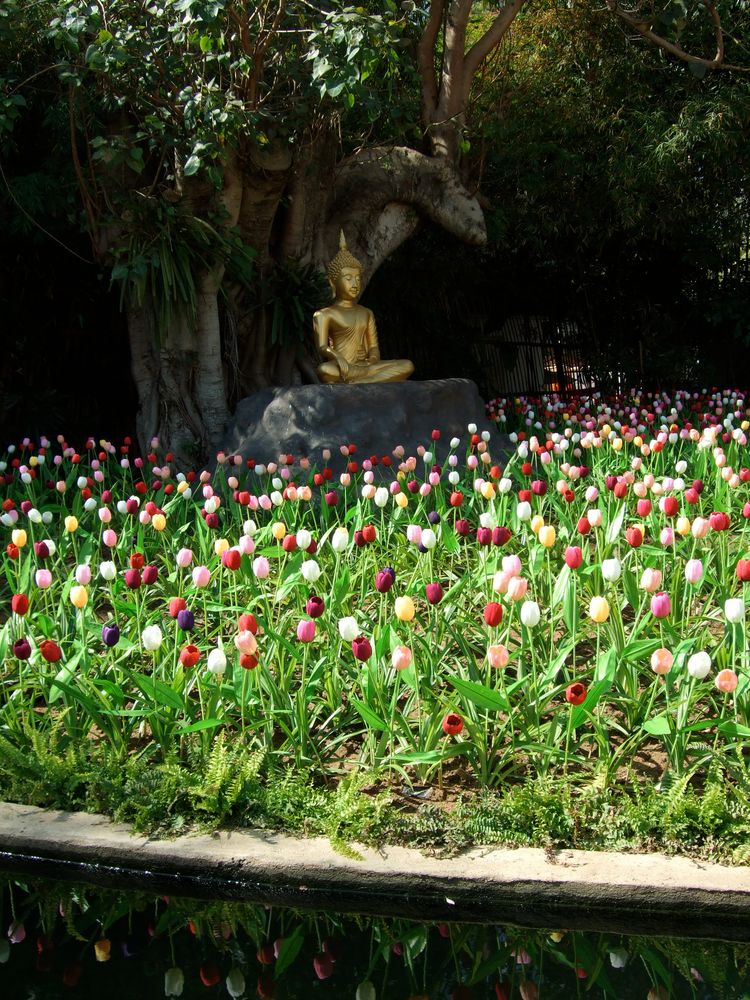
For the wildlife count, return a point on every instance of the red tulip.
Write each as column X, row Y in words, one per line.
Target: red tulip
column 573, row 556
column 584, row 526
column 19, row 604
column 247, row 623
column 137, row 560
column 434, row 593
column 133, row 579
column 50, row 651
column 231, row 559
column 634, row 537
column 323, row 965
column 189, row 655
column 209, row 973
column 493, row 614
column 176, row 605
column 743, row 570
column 361, row 648
column 452, row 724
column 575, row 694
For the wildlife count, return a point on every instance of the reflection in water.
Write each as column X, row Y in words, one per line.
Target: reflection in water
column 63, row 940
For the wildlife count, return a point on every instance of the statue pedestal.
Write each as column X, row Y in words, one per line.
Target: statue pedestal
column 303, row 420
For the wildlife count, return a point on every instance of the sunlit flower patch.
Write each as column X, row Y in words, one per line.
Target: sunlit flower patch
column 560, row 600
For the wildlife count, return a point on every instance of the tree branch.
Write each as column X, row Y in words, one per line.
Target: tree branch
column 426, row 60
column 674, row 48
column 489, row 41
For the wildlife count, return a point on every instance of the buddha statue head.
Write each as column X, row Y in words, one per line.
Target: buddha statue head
column 345, row 273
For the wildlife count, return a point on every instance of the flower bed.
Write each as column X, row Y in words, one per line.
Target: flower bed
column 455, row 621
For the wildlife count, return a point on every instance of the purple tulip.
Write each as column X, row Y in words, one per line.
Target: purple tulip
column 110, row 635
column 434, row 593
column 185, row 620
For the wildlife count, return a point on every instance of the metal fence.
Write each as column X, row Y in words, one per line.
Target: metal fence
column 533, row 354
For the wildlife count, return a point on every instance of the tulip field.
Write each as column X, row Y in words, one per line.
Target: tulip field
column 558, row 605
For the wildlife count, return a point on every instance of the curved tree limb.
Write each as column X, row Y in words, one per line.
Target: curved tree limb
column 674, row 48
column 379, row 195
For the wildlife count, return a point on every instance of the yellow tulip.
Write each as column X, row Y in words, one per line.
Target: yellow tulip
column 71, row 523
column 404, row 608
column 221, row 544
column 102, row 949
column 159, row 522
column 537, row 522
column 617, row 444
column 182, row 486
column 683, row 526
column 278, row 531
column 79, row 597
column 547, row 536
column 401, row 500
column 599, row 609
column 488, row 491
column 19, row 537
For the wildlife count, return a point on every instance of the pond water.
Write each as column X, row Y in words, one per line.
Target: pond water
column 65, row 940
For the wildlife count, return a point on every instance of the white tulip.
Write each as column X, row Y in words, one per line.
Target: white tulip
column 618, row 958
column 249, row 527
column 310, row 570
column 699, row 664
column 107, row 570
column 381, row 496
column 304, row 539
column 611, row 570
column 348, row 629
column 217, row 661
column 523, row 511
column 429, row 538
column 174, row 982
column 530, row 614
column 734, row 610
column 365, row 991
column 340, row 539
column 235, row 983
column 151, row 638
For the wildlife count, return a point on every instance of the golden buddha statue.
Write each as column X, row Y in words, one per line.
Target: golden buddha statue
column 345, row 332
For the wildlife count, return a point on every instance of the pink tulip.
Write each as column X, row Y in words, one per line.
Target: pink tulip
column 512, row 565
column 414, row 534
column 83, row 574
column 184, row 558
column 517, row 587
column 401, row 657
column 261, row 567
column 201, row 576
column 726, row 681
column 109, row 537
column 246, row 643
column 661, row 661
column 246, row 545
column 700, row 527
column 105, row 515
column 661, row 605
column 306, row 630
column 693, row 570
column 666, row 536
column 651, row 580
column 497, row 656
column 43, row 578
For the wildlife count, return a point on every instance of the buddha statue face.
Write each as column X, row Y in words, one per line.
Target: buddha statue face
column 347, row 284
